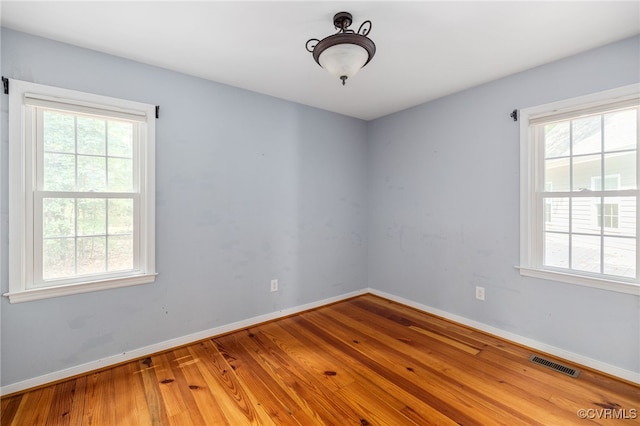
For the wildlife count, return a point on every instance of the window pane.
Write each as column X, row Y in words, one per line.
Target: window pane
column 585, row 253
column 556, row 250
column 92, row 219
column 620, row 256
column 91, row 136
column 92, row 255
column 620, row 130
column 120, row 253
column 92, row 174
column 620, row 171
column 120, row 216
column 556, row 174
column 556, row 139
column 120, row 139
column 584, row 215
column 120, row 175
column 587, row 173
column 58, row 217
column 59, row 172
column 556, row 214
column 587, row 135
column 58, row 258
column 59, row 132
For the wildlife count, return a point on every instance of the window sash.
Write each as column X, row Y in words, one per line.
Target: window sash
column 37, row 110
column 38, row 232
column 541, row 195
column 603, row 231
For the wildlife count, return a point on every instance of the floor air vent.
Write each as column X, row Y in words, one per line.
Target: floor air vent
column 554, row 365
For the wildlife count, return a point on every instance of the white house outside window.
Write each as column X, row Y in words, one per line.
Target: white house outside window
column 579, row 190
column 81, row 192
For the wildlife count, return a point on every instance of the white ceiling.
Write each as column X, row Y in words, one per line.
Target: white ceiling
column 425, row 50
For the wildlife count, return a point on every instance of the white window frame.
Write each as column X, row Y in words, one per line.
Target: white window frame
column 532, row 215
column 22, row 188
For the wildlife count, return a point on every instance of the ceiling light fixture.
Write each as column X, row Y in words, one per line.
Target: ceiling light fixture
column 343, row 53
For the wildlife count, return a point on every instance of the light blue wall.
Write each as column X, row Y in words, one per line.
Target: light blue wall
column 249, row 188
column 444, row 211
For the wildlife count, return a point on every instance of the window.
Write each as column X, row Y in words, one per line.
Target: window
column 610, row 214
column 81, row 192
column 579, row 190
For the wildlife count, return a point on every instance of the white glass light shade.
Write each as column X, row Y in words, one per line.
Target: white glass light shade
column 343, row 59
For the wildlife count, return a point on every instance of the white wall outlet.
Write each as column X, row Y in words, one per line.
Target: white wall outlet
column 274, row 285
column 480, row 293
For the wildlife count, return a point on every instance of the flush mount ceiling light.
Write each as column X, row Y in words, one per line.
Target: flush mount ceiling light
column 343, row 53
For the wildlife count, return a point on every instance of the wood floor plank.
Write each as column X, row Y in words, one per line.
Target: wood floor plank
column 409, row 317
column 169, row 393
column 437, row 387
column 8, row 408
column 424, row 351
column 157, row 410
column 539, row 380
column 34, row 407
column 359, row 354
column 264, row 376
column 131, row 387
column 489, row 379
column 79, row 396
column 61, row 403
column 313, row 386
column 375, row 383
column 449, row 341
column 304, row 357
column 375, row 411
column 124, row 403
column 237, row 404
column 178, row 359
column 203, row 397
column 99, row 399
column 395, row 324
column 362, row 361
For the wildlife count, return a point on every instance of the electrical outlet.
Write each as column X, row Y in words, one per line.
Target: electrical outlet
column 480, row 293
column 274, row 285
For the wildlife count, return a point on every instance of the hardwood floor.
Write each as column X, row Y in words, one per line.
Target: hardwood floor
column 364, row 361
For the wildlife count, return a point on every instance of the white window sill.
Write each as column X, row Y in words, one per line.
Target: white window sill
column 582, row 280
column 65, row 290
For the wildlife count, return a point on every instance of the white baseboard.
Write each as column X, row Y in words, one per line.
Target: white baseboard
column 533, row 344
column 239, row 325
column 168, row 344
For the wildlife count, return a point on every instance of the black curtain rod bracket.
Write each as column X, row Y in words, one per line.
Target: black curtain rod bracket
column 514, row 115
column 5, row 84
column 157, row 111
